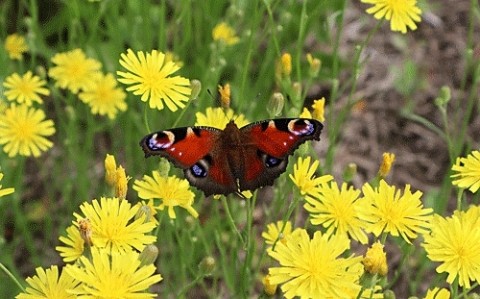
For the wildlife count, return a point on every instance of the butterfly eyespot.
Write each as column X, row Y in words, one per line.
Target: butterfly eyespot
column 301, row 127
column 161, row 140
column 272, row 161
column 198, row 171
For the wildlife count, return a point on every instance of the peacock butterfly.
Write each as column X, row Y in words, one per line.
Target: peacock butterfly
column 234, row 159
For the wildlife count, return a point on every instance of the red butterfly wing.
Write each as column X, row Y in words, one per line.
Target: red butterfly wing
column 196, row 151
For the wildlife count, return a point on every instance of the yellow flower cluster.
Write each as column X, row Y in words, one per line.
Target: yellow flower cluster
column 307, row 266
column 107, row 250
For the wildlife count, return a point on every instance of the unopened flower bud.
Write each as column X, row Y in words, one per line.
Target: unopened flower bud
column 375, row 260
column 144, row 211
column 207, row 265
column 110, row 170
column 163, row 167
column 196, row 87
column 315, row 65
column 224, row 92
column 444, row 97
column 386, row 166
column 148, row 255
column 121, row 184
column 275, row 105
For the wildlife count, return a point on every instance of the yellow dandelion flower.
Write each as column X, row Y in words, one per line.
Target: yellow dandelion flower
column 337, row 210
column 315, row 268
column 388, row 211
column 437, row 293
column 304, row 176
column 25, row 89
column 375, row 260
column 319, row 109
column 224, row 92
column 467, row 172
column 386, row 166
column 172, row 192
column 23, row 130
column 119, row 275
column 274, row 232
column 48, row 284
column 149, row 76
column 103, row 96
column 5, row 191
column 219, row 118
column 110, row 170
column 15, row 45
column 455, row 243
column 114, row 226
column 224, row 33
column 74, row 245
column 73, row 70
column 401, row 14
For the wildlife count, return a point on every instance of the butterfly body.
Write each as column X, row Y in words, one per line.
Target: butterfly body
column 234, row 159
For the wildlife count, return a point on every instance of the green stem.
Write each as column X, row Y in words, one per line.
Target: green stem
column 272, row 27
column 231, row 221
column 291, row 208
column 301, row 36
column 248, row 246
column 9, row 274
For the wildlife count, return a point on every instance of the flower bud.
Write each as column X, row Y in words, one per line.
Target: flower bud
column 269, row 288
column 275, row 104
column 386, row 166
column 207, row 265
column 110, row 170
column 224, row 92
column 163, row 167
column 375, row 260
column 315, row 65
column 121, row 184
column 196, row 87
column 148, row 255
